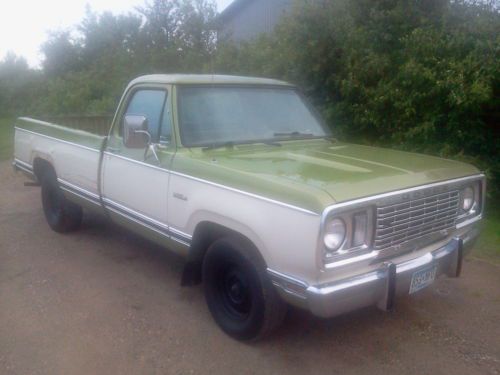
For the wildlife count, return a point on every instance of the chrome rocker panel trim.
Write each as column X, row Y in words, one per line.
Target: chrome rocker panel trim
column 24, row 167
column 376, row 288
column 129, row 214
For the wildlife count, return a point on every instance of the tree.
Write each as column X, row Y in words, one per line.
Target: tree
column 61, row 54
column 416, row 75
column 18, row 84
column 179, row 35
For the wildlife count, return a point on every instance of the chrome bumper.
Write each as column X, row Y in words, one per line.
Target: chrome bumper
column 376, row 288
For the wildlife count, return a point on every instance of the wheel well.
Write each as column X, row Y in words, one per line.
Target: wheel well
column 41, row 167
column 204, row 235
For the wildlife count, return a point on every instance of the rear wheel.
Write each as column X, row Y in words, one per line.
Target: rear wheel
column 239, row 294
column 61, row 214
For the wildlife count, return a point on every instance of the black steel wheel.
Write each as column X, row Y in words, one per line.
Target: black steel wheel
column 234, row 291
column 61, row 214
column 239, row 294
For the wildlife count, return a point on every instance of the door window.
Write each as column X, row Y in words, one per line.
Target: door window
column 148, row 103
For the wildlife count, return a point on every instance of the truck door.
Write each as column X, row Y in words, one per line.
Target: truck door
column 135, row 180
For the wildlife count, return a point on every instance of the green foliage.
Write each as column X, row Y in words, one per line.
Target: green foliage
column 416, row 75
column 86, row 70
column 6, row 138
column 17, row 84
column 419, row 75
column 61, row 54
column 488, row 244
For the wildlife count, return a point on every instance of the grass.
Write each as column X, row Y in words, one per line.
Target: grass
column 487, row 247
column 488, row 244
column 6, row 138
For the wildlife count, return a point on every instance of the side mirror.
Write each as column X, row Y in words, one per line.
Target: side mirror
column 135, row 131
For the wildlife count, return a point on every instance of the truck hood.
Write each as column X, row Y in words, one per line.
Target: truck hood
column 317, row 173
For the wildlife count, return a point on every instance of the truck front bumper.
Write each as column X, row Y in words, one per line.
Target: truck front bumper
column 375, row 288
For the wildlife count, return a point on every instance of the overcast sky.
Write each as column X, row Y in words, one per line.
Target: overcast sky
column 24, row 24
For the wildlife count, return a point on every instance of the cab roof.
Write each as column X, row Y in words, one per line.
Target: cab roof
column 206, row 79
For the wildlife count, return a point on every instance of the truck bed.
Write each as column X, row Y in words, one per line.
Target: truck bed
column 74, row 153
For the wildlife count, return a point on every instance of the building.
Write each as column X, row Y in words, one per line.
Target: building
column 246, row 19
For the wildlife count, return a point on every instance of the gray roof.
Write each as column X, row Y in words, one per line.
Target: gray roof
column 233, row 8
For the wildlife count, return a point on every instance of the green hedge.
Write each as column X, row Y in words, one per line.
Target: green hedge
column 420, row 75
column 416, row 75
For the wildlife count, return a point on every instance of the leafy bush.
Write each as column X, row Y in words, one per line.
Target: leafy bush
column 420, row 75
column 416, row 75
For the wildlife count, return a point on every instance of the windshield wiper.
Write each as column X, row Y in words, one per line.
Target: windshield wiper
column 231, row 144
column 293, row 134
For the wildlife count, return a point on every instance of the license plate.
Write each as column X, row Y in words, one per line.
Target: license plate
column 422, row 279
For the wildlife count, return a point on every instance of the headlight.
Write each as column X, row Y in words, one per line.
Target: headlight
column 468, row 198
column 334, row 234
column 470, row 203
column 347, row 233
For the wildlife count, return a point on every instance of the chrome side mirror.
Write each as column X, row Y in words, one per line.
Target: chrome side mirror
column 135, row 131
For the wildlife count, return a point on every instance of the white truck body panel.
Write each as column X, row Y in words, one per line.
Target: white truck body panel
column 145, row 191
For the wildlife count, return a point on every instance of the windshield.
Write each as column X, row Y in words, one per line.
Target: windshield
column 218, row 115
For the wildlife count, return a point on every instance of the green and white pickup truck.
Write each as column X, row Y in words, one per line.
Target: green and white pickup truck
column 240, row 176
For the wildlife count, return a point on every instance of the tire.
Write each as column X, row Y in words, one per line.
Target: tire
column 61, row 214
column 240, row 296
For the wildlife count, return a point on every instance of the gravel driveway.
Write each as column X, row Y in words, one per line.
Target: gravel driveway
column 102, row 301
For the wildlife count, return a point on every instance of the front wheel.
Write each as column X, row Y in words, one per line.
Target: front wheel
column 238, row 292
column 61, row 214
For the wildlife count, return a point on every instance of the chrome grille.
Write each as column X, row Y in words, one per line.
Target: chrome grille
column 403, row 222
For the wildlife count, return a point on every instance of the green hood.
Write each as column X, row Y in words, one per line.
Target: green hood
column 316, row 173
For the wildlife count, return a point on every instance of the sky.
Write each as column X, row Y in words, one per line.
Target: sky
column 24, row 25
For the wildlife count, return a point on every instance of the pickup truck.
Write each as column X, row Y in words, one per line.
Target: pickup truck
column 241, row 177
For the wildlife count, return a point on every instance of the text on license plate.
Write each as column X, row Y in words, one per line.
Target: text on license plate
column 422, row 278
